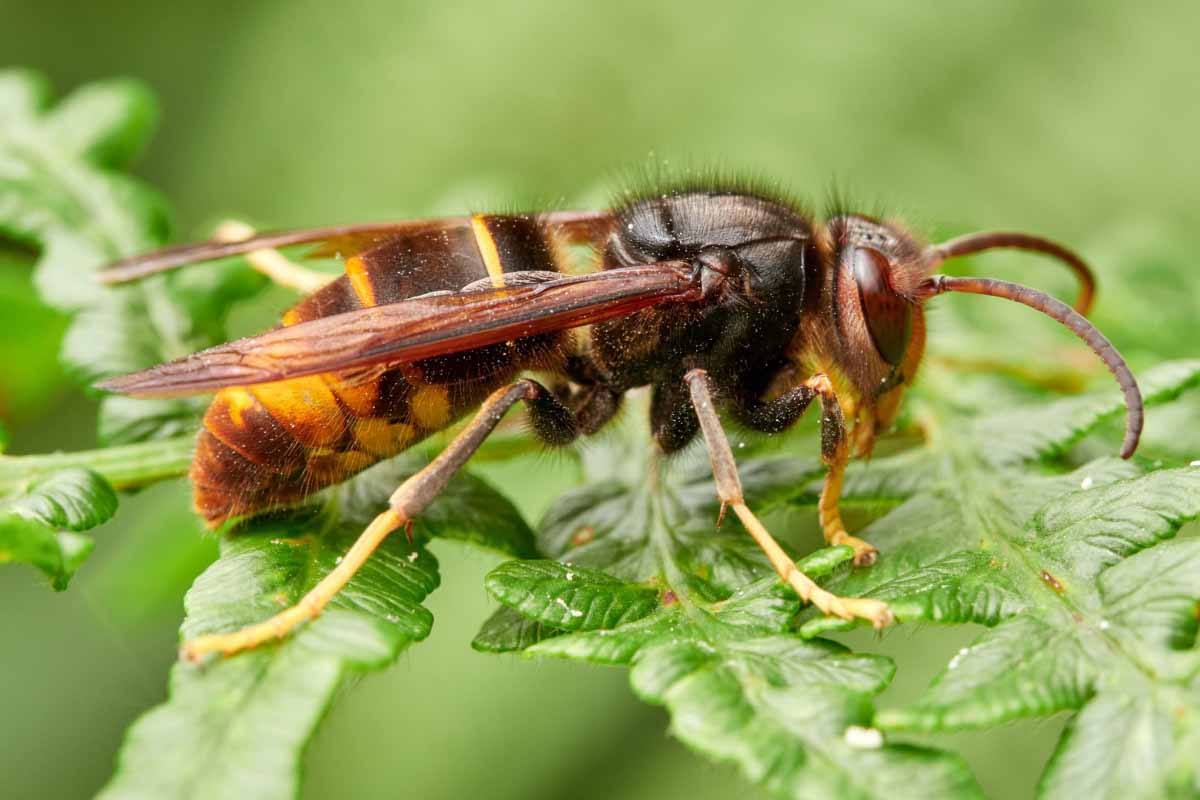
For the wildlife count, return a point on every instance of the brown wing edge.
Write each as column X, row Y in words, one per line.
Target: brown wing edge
column 414, row 329
column 582, row 226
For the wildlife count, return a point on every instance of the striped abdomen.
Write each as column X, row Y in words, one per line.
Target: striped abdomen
column 273, row 444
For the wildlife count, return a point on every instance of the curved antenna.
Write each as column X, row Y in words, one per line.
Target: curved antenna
column 1060, row 311
column 995, row 240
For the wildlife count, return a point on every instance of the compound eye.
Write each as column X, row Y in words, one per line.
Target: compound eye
column 888, row 315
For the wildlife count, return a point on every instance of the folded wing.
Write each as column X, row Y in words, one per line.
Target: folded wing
column 417, row 328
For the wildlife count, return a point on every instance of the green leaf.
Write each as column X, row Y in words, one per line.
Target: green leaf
column 106, row 123
column 792, row 714
column 40, row 525
column 984, row 527
column 569, row 598
column 507, row 630
column 468, row 510
column 58, row 189
column 1139, row 735
column 1129, row 745
column 645, row 581
column 1048, row 429
column 244, row 721
column 957, row 544
column 1086, row 609
column 239, row 725
column 59, row 192
column 30, row 337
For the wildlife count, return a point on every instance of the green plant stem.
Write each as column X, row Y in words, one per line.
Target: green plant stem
column 126, row 467
column 136, row 465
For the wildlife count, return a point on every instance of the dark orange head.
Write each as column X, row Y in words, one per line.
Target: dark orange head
column 870, row 330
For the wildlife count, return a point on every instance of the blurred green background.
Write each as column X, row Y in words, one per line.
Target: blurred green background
column 1077, row 120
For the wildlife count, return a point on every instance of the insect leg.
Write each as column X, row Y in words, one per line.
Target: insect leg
column 551, row 421
column 729, row 489
column 592, row 400
column 780, row 414
column 673, row 421
column 593, row 406
column 775, row 416
column 272, row 263
column 835, row 452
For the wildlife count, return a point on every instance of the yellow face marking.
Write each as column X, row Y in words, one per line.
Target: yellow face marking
column 430, row 406
column 382, row 438
column 305, row 408
column 291, row 317
column 356, row 271
column 487, row 249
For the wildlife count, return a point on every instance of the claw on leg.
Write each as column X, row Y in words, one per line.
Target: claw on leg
column 835, row 451
column 413, row 496
column 865, row 553
column 831, row 519
column 309, row 607
column 874, row 611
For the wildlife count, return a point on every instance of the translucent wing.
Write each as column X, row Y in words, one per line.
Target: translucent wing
column 340, row 241
column 417, row 328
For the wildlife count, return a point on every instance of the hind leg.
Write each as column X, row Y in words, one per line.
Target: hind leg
column 552, row 422
column 272, row 263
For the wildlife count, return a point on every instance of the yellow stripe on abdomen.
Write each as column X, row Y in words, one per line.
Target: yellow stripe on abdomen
column 356, row 271
column 488, row 250
column 305, row 407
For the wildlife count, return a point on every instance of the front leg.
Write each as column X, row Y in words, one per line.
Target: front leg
column 781, row 413
column 729, row 489
column 835, row 452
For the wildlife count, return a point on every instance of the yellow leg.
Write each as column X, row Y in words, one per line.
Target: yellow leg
column 275, row 265
column 309, row 606
column 874, row 611
column 729, row 489
column 835, row 451
column 413, row 496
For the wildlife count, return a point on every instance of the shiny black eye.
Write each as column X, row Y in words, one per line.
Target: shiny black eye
column 888, row 315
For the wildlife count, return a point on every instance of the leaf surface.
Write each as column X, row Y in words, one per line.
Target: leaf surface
column 643, row 580
column 238, row 726
column 986, row 525
column 41, row 524
column 61, row 192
